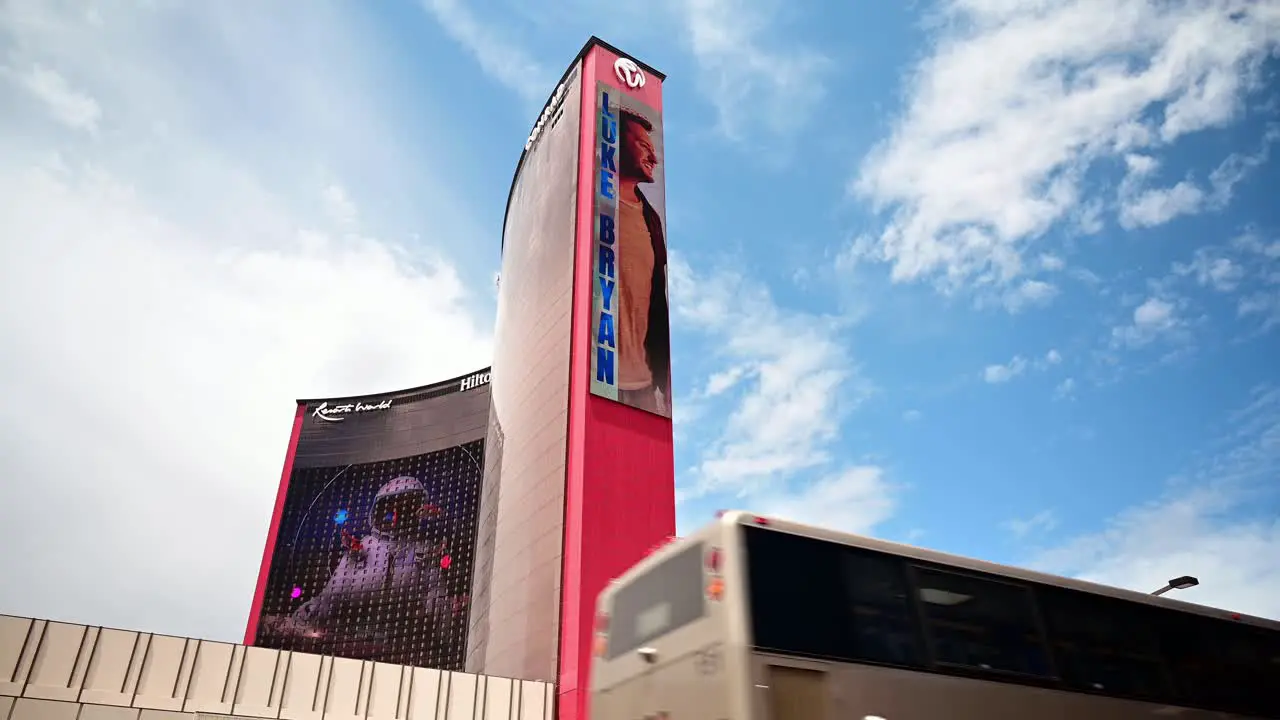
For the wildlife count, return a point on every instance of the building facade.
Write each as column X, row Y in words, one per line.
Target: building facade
column 371, row 545
column 579, row 482
column 470, row 525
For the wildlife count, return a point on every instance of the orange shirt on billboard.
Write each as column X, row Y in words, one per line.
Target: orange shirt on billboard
column 635, row 283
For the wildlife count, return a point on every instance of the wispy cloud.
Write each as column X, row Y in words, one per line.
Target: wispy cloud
column 787, row 384
column 1244, row 271
column 69, row 106
column 757, row 79
column 856, row 499
column 1027, row 294
column 1142, row 206
column 1040, row 523
column 1004, row 372
column 1212, row 523
column 1154, row 318
column 500, row 57
column 1018, row 101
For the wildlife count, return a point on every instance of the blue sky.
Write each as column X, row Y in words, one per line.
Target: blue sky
column 996, row 278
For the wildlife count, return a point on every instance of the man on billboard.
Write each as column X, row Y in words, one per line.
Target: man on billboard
column 644, row 340
column 392, row 575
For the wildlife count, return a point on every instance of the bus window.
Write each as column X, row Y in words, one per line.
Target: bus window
column 882, row 619
column 981, row 624
column 818, row 599
column 795, row 593
column 1105, row 645
column 663, row 599
column 1222, row 665
column 1248, row 662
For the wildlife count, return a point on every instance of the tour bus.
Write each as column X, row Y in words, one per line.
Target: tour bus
column 755, row 618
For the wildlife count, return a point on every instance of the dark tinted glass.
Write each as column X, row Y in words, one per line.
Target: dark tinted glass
column 981, row 624
column 883, row 624
column 796, row 595
column 666, row 598
column 1104, row 645
column 1223, row 665
column 810, row 597
column 1248, row 664
column 820, row 599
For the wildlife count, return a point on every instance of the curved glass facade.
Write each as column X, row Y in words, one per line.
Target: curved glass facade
column 516, row 590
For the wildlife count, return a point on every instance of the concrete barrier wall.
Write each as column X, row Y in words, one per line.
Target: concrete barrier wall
column 59, row 671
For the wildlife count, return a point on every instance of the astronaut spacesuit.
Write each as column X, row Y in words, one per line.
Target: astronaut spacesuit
column 390, row 578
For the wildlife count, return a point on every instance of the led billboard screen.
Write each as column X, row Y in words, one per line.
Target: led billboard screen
column 631, row 353
column 374, row 537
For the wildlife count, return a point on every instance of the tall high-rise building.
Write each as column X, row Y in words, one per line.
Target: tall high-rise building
column 579, row 477
column 471, row 524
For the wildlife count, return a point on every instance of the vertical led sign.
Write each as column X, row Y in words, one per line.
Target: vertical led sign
column 631, row 336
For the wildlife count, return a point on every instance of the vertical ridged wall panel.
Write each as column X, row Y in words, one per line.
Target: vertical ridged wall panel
column 18, row 638
column 258, row 684
column 164, row 672
column 61, row 657
column 62, row 671
column 114, row 664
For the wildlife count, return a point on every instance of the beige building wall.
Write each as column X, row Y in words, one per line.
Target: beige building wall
column 59, row 671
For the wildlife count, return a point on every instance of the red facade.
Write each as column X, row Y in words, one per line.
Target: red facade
column 620, row 484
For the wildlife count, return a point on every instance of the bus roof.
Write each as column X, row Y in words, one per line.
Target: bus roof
column 740, row 517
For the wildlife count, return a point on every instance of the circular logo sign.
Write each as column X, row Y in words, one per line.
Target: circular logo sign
column 628, row 73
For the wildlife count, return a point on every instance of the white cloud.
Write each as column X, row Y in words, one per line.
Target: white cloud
column 501, row 58
column 1040, row 523
column 339, row 207
column 1029, row 293
column 67, row 105
column 1018, row 101
column 1154, row 313
column 1220, row 273
column 1265, row 305
column 857, row 499
column 1052, row 263
column 1154, row 318
column 1144, row 207
column 996, row 374
column 725, row 380
column 1158, row 206
column 1065, row 390
column 1212, row 524
column 1004, row 372
column 754, row 84
column 780, row 426
column 164, row 297
column 912, row 415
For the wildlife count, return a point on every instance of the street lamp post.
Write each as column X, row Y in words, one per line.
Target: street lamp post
column 1179, row 583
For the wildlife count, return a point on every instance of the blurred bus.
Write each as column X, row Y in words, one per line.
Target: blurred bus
column 754, row 618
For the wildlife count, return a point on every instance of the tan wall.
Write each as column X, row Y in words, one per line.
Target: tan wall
column 59, row 671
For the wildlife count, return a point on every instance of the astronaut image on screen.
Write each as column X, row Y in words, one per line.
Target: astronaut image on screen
column 386, row 597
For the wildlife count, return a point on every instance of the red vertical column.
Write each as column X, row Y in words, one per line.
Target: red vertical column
column 620, row 470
